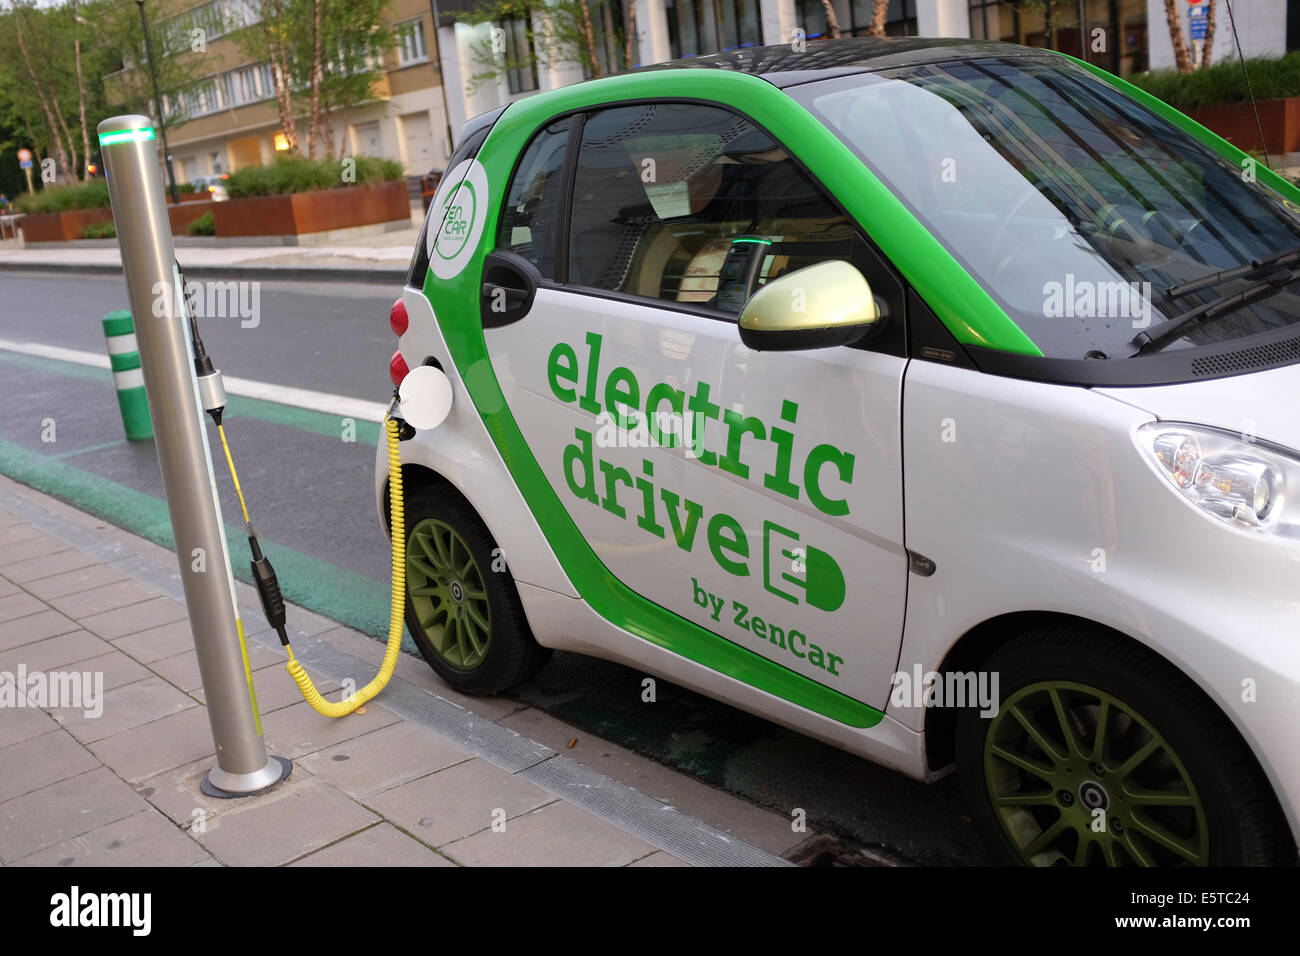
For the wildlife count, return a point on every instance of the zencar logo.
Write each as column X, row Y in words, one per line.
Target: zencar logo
column 456, row 219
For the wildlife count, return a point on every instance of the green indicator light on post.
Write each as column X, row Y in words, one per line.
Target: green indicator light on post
column 126, row 136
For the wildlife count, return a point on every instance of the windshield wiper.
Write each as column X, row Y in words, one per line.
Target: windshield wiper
column 1179, row 325
column 1252, row 268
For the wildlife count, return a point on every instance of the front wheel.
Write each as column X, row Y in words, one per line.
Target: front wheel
column 462, row 608
column 1102, row 754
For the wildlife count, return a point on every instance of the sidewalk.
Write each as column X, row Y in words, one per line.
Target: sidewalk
column 382, row 258
column 419, row 779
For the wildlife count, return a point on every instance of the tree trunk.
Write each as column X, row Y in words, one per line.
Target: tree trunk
column 832, row 21
column 315, row 132
column 1182, row 59
column 879, row 13
column 272, row 14
column 81, row 107
column 589, row 39
column 62, row 165
column 1209, row 35
column 631, row 55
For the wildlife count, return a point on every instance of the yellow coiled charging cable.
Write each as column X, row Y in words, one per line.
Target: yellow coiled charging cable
column 273, row 604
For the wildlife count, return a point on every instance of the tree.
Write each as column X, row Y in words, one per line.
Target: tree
column 326, row 51
column 558, row 31
column 879, row 13
column 1182, row 59
column 832, row 21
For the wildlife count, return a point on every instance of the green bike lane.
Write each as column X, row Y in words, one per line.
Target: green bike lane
column 308, row 477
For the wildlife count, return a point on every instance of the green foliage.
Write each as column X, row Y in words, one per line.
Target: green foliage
column 113, row 79
column 558, row 35
column 205, row 225
column 91, row 195
column 1273, row 78
column 353, row 39
column 297, row 174
column 100, row 230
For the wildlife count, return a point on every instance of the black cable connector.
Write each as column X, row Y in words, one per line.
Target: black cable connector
column 268, row 588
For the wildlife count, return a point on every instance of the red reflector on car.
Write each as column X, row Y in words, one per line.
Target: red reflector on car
column 397, row 368
column 398, row 318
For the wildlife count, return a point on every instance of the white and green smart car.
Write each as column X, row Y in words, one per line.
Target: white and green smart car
column 939, row 400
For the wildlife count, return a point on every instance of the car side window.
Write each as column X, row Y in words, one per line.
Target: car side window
column 531, row 214
column 693, row 204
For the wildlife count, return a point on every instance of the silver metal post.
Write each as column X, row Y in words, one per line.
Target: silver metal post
column 166, row 356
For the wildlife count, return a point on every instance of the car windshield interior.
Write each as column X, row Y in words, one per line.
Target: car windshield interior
column 1074, row 206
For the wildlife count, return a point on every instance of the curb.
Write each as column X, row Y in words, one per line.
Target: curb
column 377, row 274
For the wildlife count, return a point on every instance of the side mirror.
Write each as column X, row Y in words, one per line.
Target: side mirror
column 811, row 308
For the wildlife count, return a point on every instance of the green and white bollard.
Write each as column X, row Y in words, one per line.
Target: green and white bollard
column 124, row 358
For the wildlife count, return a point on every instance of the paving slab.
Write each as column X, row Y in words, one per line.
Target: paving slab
column 24, row 723
column 106, row 597
column 133, row 618
column 144, row 839
column 290, row 823
column 148, row 750
column 137, row 703
column 63, row 810
column 34, row 627
column 442, row 807
column 34, row 569
column 383, row 759
column 51, row 653
column 558, row 834
column 297, row 730
column 37, row 762
column 75, row 581
column 18, row 605
column 380, row 845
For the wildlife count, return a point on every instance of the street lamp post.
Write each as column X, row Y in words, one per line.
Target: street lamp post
column 157, row 102
column 442, row 77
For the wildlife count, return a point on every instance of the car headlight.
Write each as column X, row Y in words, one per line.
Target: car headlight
column 1243, row 483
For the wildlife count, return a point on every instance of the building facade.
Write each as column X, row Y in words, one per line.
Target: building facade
column 232, row 119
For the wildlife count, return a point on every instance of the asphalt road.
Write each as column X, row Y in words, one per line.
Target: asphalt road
column 310, row 492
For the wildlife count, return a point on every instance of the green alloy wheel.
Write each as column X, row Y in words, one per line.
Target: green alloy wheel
column 462, row 608
column 448, row 594
column 1102, row 754
column 1076, row 776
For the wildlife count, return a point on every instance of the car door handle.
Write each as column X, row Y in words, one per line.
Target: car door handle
column 509, row 285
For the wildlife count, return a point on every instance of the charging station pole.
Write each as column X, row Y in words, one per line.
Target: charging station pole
column 166, row 356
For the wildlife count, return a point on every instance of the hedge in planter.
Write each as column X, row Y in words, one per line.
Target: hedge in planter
column 53, row 199
column 297, row 174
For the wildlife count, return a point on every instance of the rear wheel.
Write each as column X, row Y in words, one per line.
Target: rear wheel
column 461, row 604
column 1102, row 754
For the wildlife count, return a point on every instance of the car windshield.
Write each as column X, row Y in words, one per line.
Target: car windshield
column 1074, row 206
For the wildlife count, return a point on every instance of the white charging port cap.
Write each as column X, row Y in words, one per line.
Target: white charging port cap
column 425, row 396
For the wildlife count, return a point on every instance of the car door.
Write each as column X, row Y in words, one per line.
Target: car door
column 756, row 494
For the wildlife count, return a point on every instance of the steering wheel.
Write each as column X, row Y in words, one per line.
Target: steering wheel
column 1000, row 230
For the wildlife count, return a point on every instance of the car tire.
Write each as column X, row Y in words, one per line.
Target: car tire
column 462, row 608
column 1197, row 796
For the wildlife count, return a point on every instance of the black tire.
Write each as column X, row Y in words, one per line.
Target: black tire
column 1240, row 822
column 512, row 654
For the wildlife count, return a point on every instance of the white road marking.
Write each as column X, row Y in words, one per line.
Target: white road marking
column 340, row 405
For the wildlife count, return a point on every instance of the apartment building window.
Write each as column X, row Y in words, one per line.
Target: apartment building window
column 251, row 84
column 521, row 58
column 410, row 42
column 697, row 27
column 1109, row 33
column 855, row 17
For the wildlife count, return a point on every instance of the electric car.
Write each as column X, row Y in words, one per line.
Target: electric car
column 936, row 399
